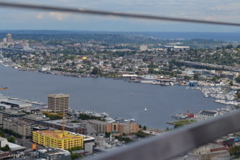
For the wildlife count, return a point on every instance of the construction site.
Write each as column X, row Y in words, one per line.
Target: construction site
column 57, row 139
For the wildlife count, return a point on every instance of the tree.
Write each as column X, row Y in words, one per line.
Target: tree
column 95, row 70
column 237, row 79
column 150, row 71
column 235, row 151
column 170, row 68
column 187, row 78
column 129, row 69
column 144, row 128
column 6, row 148
column 11, row 139
column 215, row 78
column 75, row 156
column 238, row 93
column 196, row 76
column 178, row 125
column 229, row 46
column 231, row 83
column 107, row 134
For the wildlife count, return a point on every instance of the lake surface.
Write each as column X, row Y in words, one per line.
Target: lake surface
column 107, row 95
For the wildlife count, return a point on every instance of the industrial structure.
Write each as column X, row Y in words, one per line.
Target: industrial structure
column 58, row 102
column 57, row 139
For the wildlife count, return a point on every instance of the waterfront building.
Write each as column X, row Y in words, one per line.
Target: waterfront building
column 208, row 113
column 102, row 127
column 123, row 128
column 9, row 38
column 57, row 139
column 58, row 102
column 18, row 126
column 44, row 68
column 99, row 126
column 17, row 104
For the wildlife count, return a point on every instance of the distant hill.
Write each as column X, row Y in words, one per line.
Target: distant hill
column 224, row 36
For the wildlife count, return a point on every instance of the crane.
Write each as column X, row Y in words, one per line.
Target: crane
column 63, row 121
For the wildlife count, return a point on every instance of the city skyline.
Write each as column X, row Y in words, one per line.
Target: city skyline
column 215, row 10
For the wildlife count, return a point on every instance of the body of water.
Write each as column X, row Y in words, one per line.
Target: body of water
column 116, row 97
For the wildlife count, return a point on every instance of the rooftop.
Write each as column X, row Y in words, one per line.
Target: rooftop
column 59, row 134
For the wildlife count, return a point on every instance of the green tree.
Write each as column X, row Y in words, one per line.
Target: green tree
column 75, row 156
column 150, row 71
column 196, row 76
column 2, row 134
column 229, row 46
column 107, row 134
column 170, row 67
column 215, row 78
column 11, row 139
column 238, row 93
column 129, row 69
column 234, row 151
column 6, row 148
column 237, row 79
column 178, row 125
column 144, row 128
column 231, row 83
column 95, row 70
column 187, row 78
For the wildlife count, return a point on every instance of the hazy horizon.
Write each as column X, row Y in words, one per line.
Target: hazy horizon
column 21, row 19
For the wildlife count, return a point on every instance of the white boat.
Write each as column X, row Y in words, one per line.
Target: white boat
column 145, row 109
column 143, row 81
column 156, row 83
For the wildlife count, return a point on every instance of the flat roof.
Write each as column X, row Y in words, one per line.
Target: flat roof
column 36, row 117
column 11, row 112
column 15, row 147
column 68, row 125
column 19, row 103
column 59, row 134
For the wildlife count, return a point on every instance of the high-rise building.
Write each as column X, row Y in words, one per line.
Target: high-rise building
column 143, row 47
column 9, row 38
column 58, row 102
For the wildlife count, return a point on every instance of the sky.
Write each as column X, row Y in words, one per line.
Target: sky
column 216, row 10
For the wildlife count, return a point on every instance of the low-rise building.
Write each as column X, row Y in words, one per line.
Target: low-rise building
column 3, row 142
column 123, row 128
column 57, row 139
column 99, row 126
column 10, row 113
column 18, row 126
column 102, row 127
column 53, row 154
column 15, row 103
column 72, row 127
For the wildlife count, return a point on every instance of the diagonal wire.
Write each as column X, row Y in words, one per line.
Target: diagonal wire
column 108, row 13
